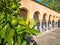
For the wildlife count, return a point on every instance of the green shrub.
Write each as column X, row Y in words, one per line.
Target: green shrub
column 12, row 26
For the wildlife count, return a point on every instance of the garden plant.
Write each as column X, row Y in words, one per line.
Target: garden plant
column 13, row 29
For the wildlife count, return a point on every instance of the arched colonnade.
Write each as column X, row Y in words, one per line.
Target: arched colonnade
column 44, row 21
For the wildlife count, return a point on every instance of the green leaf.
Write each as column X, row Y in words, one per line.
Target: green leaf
column 20, row 18
column 0, row 41
column 20, row 32
column 35, row 32
column 1, row 16
column 16, row 43
column 20, row 29
column 28, row 32
column 32, row 23
column 28, row 18
column 3, row 31
column 10, row 36
column 9, row 41
column 24, row 42
column 22, row 23
column 19, row 39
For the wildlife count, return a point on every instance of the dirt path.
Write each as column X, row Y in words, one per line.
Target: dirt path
column 51, row 37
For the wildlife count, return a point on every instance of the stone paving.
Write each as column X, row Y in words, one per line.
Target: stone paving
column 51, row 37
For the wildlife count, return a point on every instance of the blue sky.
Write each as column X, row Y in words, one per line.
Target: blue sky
column 37, row 0
column 40, row 0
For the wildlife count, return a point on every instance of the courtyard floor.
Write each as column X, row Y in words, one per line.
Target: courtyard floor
column 51, row 37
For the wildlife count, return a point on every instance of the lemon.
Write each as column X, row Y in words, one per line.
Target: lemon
column 14, row 22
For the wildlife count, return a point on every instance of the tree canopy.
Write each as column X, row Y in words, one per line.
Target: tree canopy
column 53, row 4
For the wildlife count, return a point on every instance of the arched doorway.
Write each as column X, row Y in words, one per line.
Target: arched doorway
column 50, row 22
column 23, row 13
column 44, row 23
column 36, row 18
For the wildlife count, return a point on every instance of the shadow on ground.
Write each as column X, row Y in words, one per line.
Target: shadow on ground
column 31, row 41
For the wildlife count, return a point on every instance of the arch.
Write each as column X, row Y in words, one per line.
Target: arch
column 49, row 22
column 44, row 17
column 23, row 12
column 50, row 17
column 36, row 16
column 45, row 21
column 54, row 18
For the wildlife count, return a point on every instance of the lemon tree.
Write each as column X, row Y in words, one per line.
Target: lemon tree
column 13, row 28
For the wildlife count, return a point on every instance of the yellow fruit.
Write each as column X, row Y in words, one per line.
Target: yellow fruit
column 13, row 5
column 14, row 22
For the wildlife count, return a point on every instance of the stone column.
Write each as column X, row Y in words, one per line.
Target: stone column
column 47, row 25
column 47, row 18
column 57, row 24
column 51, row 24
column 54, row 24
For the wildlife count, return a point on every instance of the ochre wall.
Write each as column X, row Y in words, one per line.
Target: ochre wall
column 32, row 7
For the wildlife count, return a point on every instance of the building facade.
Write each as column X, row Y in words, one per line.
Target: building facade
column 46, row 18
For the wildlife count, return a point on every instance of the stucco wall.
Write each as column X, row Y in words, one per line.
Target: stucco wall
column 32, row 7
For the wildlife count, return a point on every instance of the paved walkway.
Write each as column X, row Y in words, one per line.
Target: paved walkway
column 51, row 37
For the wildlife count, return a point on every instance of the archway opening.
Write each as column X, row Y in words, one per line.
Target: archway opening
column 44, row 17
column 36, row 18
column 49, row 22
column 50, row 17
column 44, row 21
column 23, row 13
